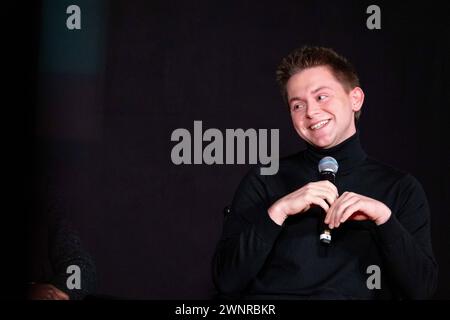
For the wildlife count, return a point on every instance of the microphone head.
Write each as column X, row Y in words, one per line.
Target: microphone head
column 328, row 164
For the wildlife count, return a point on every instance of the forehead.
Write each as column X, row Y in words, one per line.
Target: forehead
column 312, row 78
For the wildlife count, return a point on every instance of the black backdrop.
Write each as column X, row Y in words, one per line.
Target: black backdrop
column 106, row 99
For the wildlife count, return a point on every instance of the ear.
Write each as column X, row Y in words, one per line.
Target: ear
column 356, row 98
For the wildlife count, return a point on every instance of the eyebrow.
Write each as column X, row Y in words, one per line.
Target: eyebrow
column 313, row 91
column 294, row 99
column 320, row 88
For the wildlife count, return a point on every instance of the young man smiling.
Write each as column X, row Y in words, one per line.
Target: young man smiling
column 378, row 215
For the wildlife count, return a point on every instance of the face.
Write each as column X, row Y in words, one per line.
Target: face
column 321, row 110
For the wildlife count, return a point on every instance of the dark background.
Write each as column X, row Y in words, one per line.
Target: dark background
column 98, row 106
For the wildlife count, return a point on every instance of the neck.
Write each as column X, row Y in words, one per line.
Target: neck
column 348, row 153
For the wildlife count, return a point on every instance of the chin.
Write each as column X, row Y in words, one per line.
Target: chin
column 324, row 142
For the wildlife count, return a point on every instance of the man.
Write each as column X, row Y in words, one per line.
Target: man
column 378, row 215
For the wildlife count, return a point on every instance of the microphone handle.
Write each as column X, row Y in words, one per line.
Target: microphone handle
column 325, row 233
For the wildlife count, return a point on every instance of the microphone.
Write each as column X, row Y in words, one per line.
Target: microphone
column 328, row 167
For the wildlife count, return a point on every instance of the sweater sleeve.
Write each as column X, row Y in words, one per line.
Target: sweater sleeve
column 406, row 243
column 247, row 238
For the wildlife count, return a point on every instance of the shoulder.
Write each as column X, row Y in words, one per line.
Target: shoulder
column 385, row 170
column 256, row 177
column 398, row 177
column 291, row 160
column 284, row 164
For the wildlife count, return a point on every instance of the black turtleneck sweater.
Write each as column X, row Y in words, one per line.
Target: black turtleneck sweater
column 256, row 258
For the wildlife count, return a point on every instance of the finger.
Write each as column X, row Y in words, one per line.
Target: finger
column 48, row 295
column 321, row 186
column 315, row 190
column 342, row 208
column 325, row 194
column 328, row 185
column 320, row 202
column 358, row 216
column 61, row 295
column 302, row 200
column 330, row 213
column 53, row 294
column 350, row 210
column 345, row 200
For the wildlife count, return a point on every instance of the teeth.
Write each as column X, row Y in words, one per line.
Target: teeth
column 319, row 125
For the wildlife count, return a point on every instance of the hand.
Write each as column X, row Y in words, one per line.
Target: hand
column 320, row 193
column 354, row 206
column 45, row 291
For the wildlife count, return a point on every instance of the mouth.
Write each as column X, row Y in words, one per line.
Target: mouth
column 319, row 125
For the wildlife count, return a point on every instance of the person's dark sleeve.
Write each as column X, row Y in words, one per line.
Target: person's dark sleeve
column 65, row 249
column 247, row 238
column 406, row 243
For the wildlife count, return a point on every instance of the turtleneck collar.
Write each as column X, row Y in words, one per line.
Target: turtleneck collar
column 348, row 154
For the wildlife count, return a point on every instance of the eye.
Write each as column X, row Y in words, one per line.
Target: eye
column 297, row 107
column 322, row 97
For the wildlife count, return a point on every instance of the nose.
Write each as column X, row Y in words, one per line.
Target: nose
column 312, row 109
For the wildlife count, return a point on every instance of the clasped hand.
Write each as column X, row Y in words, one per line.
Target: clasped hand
column 348, row 206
